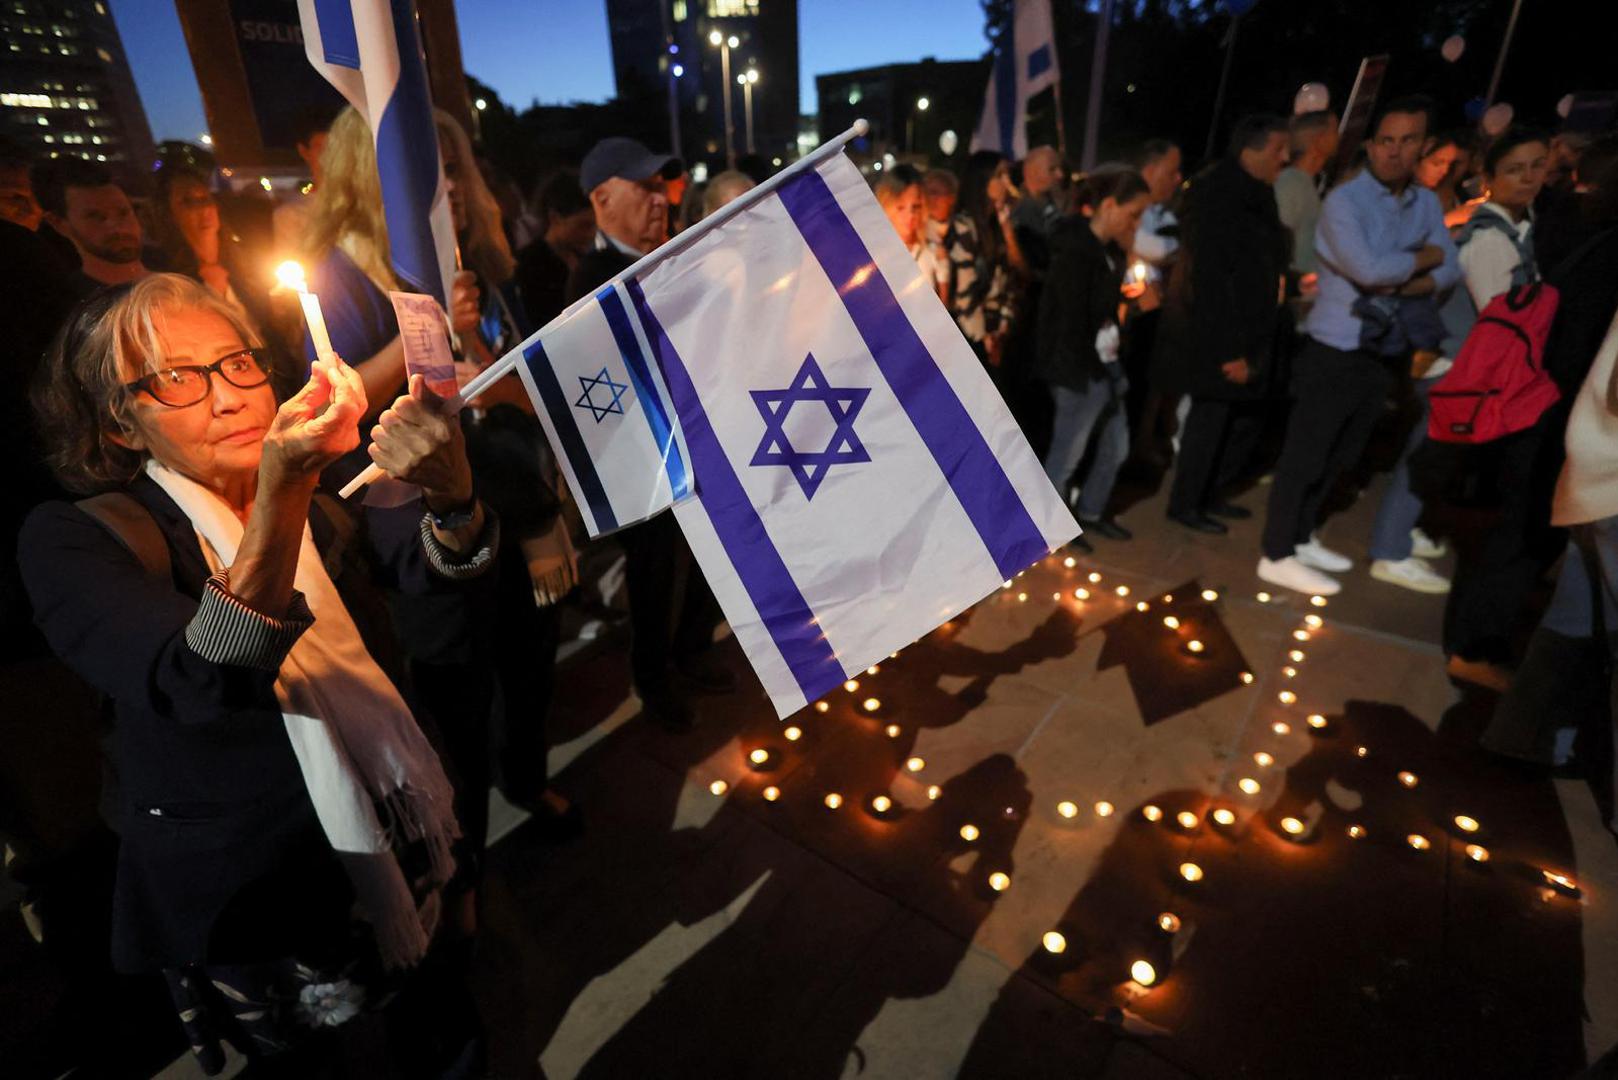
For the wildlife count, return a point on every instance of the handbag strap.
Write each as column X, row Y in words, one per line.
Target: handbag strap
column 133, row 526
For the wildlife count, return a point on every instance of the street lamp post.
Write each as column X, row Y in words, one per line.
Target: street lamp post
column 725, row 44
column 748, row 80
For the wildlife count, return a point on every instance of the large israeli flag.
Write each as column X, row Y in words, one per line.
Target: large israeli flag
column 602, row 402
column 1024, row 64
column 370, row 51
column 858, row 478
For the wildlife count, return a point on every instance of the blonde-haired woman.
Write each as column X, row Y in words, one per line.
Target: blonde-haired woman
column 347, row 241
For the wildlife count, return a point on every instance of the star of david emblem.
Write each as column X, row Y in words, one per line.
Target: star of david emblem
column 602, row 381
column 842, row 403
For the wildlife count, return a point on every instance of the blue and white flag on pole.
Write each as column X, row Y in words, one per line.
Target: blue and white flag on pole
column 858, row 478
column 602, row 402
column 370, row 51
column 1024, row 64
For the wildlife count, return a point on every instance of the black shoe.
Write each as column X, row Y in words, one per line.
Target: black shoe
column 1201, row 523
column 669, row 709
column 706, row 675
column 1106, row 528
column 1230, row 511
column 1081, row 545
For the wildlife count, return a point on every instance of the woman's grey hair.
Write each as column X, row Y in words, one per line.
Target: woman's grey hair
column 112, row 338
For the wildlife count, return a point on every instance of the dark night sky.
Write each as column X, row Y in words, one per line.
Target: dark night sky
column 556, row 50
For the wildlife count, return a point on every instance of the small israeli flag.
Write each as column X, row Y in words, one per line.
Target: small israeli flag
column 606, row 411
column 1024, row 64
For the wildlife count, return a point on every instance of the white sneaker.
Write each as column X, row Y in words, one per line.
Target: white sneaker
column 1423, row 546
column 1412, row 573
column 1291, row 573
column 1320, row 557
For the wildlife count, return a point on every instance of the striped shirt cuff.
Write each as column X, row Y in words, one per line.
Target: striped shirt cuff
column 456, row 566
column 227, row 631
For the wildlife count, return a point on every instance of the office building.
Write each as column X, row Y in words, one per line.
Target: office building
column 65, row 87
column 909, row 106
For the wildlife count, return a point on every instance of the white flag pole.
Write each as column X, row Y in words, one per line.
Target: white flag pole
column 501, row 367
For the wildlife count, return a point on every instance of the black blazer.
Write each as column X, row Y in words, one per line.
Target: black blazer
column 1222, row 300
column 1080, row 297
column 221, row 857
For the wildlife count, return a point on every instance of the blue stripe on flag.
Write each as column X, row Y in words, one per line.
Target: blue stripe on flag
column 763, row 573
column 973, row 472
column 407, row 162
column 1039, row 62
column 338, row 39
column 578, row 455
column 651, row 402
column 1007, row 109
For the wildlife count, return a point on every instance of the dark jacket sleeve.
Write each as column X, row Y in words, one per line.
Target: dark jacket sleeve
column 130, row 635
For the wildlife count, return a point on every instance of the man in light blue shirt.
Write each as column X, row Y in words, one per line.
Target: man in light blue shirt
column 1379, row 234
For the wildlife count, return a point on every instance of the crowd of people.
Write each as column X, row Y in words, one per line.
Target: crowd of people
column 309, row 702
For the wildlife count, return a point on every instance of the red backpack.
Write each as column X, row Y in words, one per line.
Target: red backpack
column 1498, row 385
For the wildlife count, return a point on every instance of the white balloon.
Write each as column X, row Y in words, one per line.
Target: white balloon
column 948, row 141
column 1453, row 47
column 1564, row 106
column 1311, row 97
column 1497, row 118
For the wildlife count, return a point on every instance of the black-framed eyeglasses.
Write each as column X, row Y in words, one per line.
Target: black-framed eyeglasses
column 187, row 384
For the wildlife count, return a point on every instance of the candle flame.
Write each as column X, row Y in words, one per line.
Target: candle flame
column 290, row 275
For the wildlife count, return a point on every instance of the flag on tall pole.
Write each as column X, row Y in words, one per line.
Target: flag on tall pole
column 1024, row 64
column 857, row 479
column 370, row 51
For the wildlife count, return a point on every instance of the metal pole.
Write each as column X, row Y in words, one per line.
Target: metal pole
column 747, row 96
column 730, row 126
column 1224, row 79
column 674, row 113
column 1098, row 71
column 1500, row 63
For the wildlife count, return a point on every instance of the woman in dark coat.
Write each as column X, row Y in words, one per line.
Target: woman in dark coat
column 270, row 773
column 1079, row 339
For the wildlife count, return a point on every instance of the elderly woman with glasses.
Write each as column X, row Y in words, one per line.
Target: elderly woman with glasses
column 271, row 776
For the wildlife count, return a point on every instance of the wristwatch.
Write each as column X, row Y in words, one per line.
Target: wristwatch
column 456, row 517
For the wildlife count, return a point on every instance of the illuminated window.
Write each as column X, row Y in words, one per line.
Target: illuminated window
column 101, row 9
column 106, row 57
column 26, row 101
column 680, row 12
column 732, row 9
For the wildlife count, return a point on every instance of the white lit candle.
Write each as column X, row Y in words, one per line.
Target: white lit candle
column 290, row 275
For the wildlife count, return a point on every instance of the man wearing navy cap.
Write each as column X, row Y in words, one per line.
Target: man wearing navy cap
column 627, row 188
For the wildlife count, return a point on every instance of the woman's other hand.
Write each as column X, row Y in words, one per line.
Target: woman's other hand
column 419, row 441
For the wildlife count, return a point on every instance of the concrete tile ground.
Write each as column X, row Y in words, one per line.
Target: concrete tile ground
column 732, row 936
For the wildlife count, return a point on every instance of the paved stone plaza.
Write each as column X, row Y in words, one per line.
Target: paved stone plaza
column 727, row 935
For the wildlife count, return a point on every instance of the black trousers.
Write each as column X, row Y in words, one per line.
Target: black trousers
column 1215, row 446
column 1493, row 579
column 1339, row 396
column 525, row 659
column 672, row 612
